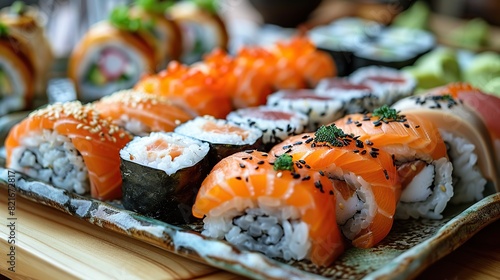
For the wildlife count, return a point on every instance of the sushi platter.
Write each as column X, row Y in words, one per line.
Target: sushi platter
column 352, row 150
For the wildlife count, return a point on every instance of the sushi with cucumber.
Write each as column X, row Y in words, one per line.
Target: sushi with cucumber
column 268, row 205
column 225, row 138
column 276, row 124
column 320, row 109
column 420, row 155
column 174, row 165
column 364, row 177
column 467, row 138
column 70, row 146
column 142, row 113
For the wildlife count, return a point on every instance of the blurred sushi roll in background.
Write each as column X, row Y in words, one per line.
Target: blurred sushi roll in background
column 357, row 97
column 267, row 205
column 26, row 25
column 70, row 146
column 202, row 28
column 321, row 110
column 142, row 113
column 17, row 73
column 388, row 84
column 419, row 154
column 174, row 165
column 276, row 124
column 225, row 138
column 468, row 142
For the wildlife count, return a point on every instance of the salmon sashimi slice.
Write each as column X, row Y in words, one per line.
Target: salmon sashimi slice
column 249, row 180
column 366, row 205
column 96, row 139
column 155, row 112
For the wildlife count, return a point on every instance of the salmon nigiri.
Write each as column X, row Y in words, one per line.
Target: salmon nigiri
column 364, row 180
column 142, row 113
column 420, row 155
column 270, row 206
column 70, row 146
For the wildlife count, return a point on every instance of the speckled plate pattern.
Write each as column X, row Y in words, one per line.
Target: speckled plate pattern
column 411, row 246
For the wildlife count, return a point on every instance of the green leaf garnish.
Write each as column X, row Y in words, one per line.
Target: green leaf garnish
column 4, row 30
column 121, row 18
column 18, row 8
column 386, row 113
column 155, row 6
column 330, row 134
column 209, row 5
column 283, row 162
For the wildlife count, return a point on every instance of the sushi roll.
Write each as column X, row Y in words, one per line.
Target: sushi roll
column 321, row 110
column 365, row 181
column 26, row 23
column 225, row 138
column 109, row 58
column 467, row 138
column 390, row 84
column 17, row 74
column 70, row 146
column 174, row 166
column 419, row 153
column 357, row 97
column 202, row 28
column 268, row 205
column 275, row 124
column 142, row 113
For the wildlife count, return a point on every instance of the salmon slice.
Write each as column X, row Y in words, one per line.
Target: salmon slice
column 351, row 158
column 156, row 112
column 96, row 139
column 250, row 176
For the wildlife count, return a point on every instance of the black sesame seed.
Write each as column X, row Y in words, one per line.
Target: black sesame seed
column 373, row 154
column 417, row 126
column 363, row 152
column 264, row 154
column 307, row 166
column 295, row 175
column 238, row 178
column 407, row 125
column 330, row 192
column 375, row 149
column 249, row 151
column 377, row 123
column 297, row 143
column 298, row 165
column 369, row 143
column 306, row 178
column 386, row 174
column 355, row 151
column 309, row 140
column 242, row 165
column 260, row 162
column 359, row 144
column 321, row 173
column 305, row 136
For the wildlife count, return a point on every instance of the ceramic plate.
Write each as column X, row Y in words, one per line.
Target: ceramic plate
column 411, row 246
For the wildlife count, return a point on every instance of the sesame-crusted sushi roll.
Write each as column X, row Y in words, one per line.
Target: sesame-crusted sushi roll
column 364, row 178
column 358, row 97
column 275, row 124
column 467, row 138
column 389, row 83
column 70, row 146
column 174, row 166
column 142, row 113
column 419, row 153
column 320, row 109
column 225, row 138
column 270, row 206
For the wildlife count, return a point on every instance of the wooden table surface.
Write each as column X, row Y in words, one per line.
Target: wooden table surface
column 54, row 245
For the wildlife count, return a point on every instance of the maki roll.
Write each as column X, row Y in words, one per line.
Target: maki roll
column 70, row 146
column 174, row 165
column 364, row 178
column 202, row 28
column 276, row 124
column 17, row 74
column 267, row 205
column 419, row 154
column 390, row 84
column 467, row 138
column 320, row 109
column 357, row 97
column 109, row 58
column 225, row 138
column 142, row 113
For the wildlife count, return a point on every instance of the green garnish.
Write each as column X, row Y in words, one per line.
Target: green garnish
column 386, row 113
column 155, row 6
column 4, row 30
column 284, row 162
column 120, row 18
column 330, row 134
column 18, row 8
column 447, row 97
column 209, row 5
